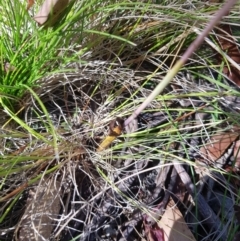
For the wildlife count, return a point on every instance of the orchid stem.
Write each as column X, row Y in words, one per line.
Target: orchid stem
column 193, row 47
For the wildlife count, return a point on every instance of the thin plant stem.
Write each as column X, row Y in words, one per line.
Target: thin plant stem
column 193, row 47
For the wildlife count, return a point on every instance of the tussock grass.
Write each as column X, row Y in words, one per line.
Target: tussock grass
column 66, row 83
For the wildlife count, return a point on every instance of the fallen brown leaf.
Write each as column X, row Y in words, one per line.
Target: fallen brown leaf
column 50, row 12
column 30, row 4
column 235, row 166
column 174, row 225
column 236, row 154
column 218, row 145
column 229, row 46
column 154, row 232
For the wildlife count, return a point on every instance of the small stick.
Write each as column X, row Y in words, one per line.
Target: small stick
column 210, row 218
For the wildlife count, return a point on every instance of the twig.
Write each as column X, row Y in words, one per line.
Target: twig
column 210, row 218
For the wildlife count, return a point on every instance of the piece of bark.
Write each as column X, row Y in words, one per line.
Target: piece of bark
column 43, row 206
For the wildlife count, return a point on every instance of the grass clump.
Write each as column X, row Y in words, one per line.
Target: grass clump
column 65, row 84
